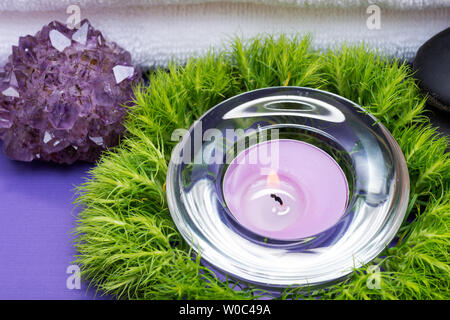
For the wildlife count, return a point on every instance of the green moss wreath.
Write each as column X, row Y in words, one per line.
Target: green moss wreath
column 128, row 245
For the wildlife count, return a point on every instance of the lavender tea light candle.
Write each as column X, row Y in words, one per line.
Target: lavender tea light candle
column 287, row 186
column 287, row 202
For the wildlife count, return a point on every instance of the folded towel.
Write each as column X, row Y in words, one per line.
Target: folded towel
column 157, row 31
column 48, row 5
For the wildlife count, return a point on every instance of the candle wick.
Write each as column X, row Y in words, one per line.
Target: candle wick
column 276, row 198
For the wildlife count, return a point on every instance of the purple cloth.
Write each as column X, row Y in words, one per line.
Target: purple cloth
column 37, row 218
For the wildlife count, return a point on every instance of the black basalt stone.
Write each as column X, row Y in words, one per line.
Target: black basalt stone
column 432, row 69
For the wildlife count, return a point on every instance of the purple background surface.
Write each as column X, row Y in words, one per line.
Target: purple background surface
column 37, row 217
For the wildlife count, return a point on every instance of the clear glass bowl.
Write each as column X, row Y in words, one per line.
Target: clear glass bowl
column 371, row 159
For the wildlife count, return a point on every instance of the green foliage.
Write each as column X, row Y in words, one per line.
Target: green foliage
column 128, row 245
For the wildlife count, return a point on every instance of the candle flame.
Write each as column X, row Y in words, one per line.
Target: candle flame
column 272, row 179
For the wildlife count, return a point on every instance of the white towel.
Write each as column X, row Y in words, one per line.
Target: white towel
column 156, row 31
column 48, row 5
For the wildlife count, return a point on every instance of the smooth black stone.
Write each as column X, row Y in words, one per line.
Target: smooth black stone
column 432, row 69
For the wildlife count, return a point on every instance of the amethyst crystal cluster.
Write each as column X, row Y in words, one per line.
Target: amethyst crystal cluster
column 62, row 94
